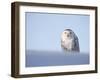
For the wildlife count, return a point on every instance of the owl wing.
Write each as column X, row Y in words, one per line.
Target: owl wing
column 76, row 44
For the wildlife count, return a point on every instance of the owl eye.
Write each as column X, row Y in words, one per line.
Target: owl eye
column 65, row 32
column 70, row 33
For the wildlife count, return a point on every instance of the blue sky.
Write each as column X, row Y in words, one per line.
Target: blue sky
column 43, row 30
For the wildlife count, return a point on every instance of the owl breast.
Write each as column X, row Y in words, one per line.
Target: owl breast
column 67, row 44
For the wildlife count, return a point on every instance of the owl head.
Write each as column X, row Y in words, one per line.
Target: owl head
column 68, row 33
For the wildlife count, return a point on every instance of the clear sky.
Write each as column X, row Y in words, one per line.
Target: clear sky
column 43, row 30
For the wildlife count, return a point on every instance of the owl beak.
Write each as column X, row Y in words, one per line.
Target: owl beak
column 68, row 35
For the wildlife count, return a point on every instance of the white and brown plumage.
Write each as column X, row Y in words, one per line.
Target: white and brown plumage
column 69, row 41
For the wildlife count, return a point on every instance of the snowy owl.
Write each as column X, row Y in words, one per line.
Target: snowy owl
column 69, row 41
